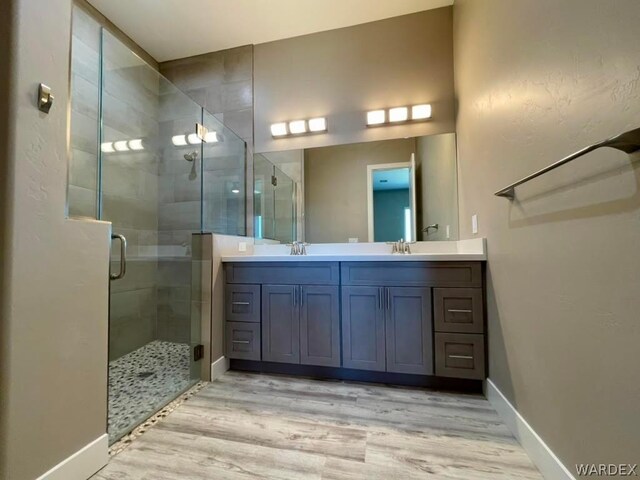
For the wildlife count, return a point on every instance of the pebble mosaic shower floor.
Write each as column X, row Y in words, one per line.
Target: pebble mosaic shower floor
column 143, row 381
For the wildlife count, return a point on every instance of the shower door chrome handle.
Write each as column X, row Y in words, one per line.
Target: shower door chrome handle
column 123, row 257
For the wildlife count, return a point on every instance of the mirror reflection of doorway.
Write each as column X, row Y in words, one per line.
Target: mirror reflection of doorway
column 390, row 202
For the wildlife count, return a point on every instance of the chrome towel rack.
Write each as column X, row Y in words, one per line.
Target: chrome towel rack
column 628, row 142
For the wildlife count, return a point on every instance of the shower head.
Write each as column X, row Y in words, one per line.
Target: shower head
column 190, row 157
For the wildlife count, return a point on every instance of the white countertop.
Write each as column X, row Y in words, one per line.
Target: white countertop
column 462, row 250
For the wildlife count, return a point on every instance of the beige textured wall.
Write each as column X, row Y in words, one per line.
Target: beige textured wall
column 537, row 80
column 335, row 180
column 437, row 186
column 53, row 342
column 343, row 73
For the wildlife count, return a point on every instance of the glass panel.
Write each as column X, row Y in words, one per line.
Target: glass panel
column 274, row 202
column 85, row 98
column 263, row 198
column 223, row 180
column 284, row 207
column 151, row 193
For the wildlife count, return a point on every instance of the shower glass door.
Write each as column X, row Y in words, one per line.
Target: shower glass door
column 150, row 187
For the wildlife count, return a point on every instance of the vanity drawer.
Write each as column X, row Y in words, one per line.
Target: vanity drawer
column 458, row 310
column 412, row 274
column 243, row 340
column 283, row 273
column 460, row 355
column 242, row 303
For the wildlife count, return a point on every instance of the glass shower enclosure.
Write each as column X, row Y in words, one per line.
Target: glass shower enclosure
column 274, row 202
column 138, row 162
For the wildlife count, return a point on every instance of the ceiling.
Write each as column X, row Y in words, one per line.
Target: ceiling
column 170, row 29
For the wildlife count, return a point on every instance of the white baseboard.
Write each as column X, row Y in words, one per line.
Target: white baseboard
column 219, row 367
column 82, row 464
column 541, row 455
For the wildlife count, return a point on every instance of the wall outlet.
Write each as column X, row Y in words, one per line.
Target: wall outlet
column 448, row 232
column 242, row 246
column 474, row 224
column 353, row 240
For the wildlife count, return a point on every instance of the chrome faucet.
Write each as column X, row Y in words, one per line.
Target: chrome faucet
column 401, row 246
column 298, row 248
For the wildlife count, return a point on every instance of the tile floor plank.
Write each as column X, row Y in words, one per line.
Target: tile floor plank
column 267, row 426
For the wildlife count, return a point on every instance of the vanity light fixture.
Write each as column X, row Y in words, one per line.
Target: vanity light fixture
column 393, row 115
column 121, row 146
column 318, row 124
column 107, row 147
column 398, row 114
column 297, row 127
column 193, row 139
column 211, row 137
column 376, row 117
column 136, row 144
column 421, row 112
column 279, row 129
column 179, row 140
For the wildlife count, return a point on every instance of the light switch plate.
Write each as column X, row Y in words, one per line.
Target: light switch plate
column 474, row 224
column 242, row 246
column 448, row 232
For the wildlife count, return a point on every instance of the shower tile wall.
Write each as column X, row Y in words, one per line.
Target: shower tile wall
column 83, row 161
column 222, row 82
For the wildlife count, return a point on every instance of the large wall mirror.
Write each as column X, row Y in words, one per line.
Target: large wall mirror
column 362, row 192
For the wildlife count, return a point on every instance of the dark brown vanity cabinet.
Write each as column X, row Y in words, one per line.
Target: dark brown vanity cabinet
column 298, row 314
column 396, row 317
column 387, row 329
column 300, row 324
column 459, row 332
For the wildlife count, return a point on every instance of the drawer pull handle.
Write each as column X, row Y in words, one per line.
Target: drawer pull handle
column 457, row 310
column 246, row 342
column 240, row 303
column 465, row 357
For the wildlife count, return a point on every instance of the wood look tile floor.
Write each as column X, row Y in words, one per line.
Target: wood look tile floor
column 248, row 426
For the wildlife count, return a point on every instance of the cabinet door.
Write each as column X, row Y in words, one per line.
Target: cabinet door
column 409, row 331
column 319, row 326
column 363, row 344
column 280, row 324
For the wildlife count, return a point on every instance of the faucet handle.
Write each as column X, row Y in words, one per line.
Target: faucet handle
column 396, row 247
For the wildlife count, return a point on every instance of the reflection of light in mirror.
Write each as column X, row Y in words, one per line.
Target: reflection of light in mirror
column 179, row 140
column 136, row 144
column 258, row 226
column 407, row 225
column 193, row 139
column 279, row 129
column 107, row 147
column 297, row 127
column 398, row 114
column 235, row 190
column 121, row 146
